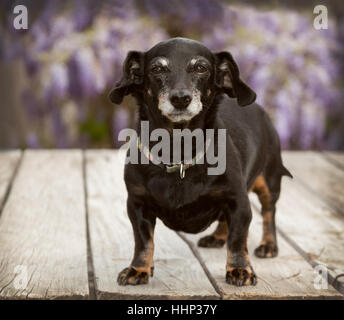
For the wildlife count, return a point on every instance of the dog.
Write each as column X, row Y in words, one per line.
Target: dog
column 180, row 83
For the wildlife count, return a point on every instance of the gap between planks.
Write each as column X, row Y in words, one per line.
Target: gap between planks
column 196, row 253
column 11, row 181
column 335, row 158
column 34, row 235
column 92, row 285
column 323, row 217
column 289, row 264
column 4, row 197
column 331, row 280
column 177, row 274
column 335, row 163
column 294, row 246
column 198, row 256
column 193, row 248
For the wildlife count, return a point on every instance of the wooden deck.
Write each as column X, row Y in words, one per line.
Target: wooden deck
column 64, row 233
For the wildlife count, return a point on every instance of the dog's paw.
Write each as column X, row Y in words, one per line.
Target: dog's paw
column 211, row 242
column 266, row 250
column 241, row 276
column 133, row 276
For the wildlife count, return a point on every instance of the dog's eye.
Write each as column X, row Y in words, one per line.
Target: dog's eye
column 200, row 69
column 157, row 70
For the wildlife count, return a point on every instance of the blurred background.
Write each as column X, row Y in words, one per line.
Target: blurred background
column 56, row 76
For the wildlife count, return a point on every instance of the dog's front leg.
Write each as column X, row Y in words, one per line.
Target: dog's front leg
column 238, row 267
column 142, row 265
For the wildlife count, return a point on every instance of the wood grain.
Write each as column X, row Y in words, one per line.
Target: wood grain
column 318, row 175
column 43, row 240
column 287, row 276
column 8, row 163
column 177, row 273
column 336, row 158
column 313, row 225
column 43, row 250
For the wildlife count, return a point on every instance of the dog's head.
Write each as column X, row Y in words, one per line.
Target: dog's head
column 180, row 77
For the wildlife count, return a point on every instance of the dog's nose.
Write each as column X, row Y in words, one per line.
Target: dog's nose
column 180, row 98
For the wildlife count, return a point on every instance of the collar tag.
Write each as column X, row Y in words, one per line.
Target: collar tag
column 182, row 171
column 173, row 167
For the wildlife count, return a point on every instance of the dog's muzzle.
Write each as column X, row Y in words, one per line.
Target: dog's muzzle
column 180, row 105
column 180, row 99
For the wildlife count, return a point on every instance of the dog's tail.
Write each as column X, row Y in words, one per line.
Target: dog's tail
column 285, row 172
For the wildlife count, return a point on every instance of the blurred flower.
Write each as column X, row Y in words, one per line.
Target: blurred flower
column 289, row 64
column 59, row 80
column 121, row 121
column 192, row 16
column 73, row 52
column 82, row 74
column 32, row 141
column 58, row 128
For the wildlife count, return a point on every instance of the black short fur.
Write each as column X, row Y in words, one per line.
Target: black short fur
column 193, row 203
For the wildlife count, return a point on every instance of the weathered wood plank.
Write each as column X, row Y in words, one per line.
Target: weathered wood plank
column 177, row 273
column 287, row 276
column 313, row 226
column 337, row 158
column 314, row 172
column 43, row 250
column 8, row 163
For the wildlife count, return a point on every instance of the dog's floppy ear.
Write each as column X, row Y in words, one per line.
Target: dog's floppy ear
column 228, row 79
column 133, row 72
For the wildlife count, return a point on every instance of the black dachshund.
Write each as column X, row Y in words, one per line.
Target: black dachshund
column 180, row 83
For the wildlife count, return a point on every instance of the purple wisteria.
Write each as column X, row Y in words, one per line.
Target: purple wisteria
column 73, row 53
column 289, row 64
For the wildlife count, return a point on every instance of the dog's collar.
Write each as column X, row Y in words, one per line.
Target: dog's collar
column 173, row 167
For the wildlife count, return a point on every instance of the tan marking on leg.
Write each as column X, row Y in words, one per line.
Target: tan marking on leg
column 268, row 245
column 261, row 189
column 267, row 221
column 146, row 258
column 221, row 231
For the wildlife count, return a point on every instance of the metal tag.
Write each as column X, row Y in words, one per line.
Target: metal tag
column 182, row 171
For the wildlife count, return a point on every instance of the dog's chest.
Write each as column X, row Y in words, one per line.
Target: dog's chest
column 171, row 192
column 183, row 204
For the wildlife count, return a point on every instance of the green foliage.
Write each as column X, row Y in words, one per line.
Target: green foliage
column 96, row 130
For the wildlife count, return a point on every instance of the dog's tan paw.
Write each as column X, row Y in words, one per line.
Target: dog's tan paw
column 132, row 276
column 266, row 250
column 241, row 276
column 211, row 242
